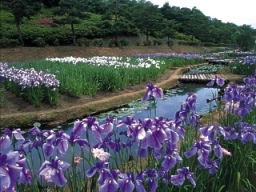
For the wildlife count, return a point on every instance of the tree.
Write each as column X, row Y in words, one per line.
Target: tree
column 117, row 12
column 147, row 18
column 21, row 9
column 51, row 3
column 72, row 11
column 169, row 28
column 245, row 39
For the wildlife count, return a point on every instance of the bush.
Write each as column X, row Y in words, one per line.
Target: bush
column 189, row 43
column 170, row 43
column 157, row 42
column 138, row 43
column 124, row 42
column 40, row 42
column 147, row 42
column 113, row 43
column 56, row 42
column 97, row 42
column 84, row 42
column 6, row 43
column 209, row 44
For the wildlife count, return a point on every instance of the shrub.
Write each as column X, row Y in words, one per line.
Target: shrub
column 138, row 43
column 157, row 42
column 209, row 44
column 56, row 42
column 6, row 43
column 40, row 42
column 170, row 42
column 124, row 42
column 97, row 42
column 84, row 42
column 147, row 42
column 113, row 43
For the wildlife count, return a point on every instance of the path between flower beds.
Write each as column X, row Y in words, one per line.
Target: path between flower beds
column 20, row 114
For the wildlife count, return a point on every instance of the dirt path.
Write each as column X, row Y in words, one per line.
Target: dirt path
column 18, row 113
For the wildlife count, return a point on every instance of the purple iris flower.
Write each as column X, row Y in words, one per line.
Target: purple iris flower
column 125, row 182
column 92, row 124
column 219, row 81
column 156, row 137
column 106, row 178
column 202, row 148
column 152, row 92
column 96, row 168
column 25, row 175
column 59, row 139
column 151, row 176
column 212, row 131
column 77, row 139
column 177, row 127
column 16, row 133
column 183, row 173
column 53, row 171
column 243, row 108
column 248, row 133
column 231, row 133
column 9, row 170
column 211, row 165
column 78, row 128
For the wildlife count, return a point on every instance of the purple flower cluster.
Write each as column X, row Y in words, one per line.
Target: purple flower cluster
column 251, row 60
column 171, row 55
column 241, row 99
column 29, row 77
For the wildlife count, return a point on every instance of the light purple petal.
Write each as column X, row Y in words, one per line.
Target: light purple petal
column 91, row 171
column 48, row 149
column 211, row 83
column 191, row 178
column 126, row 185
column 169, row 162
column 191, row 152
column 5, row 142
column 177, row 179
column 58, row 178
column 110, row 185
column 218, row 151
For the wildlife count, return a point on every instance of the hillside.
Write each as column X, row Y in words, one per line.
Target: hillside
column 34, row 53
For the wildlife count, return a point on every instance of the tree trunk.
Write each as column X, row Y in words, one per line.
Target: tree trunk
column 116, row 27
column 73, row 34
column 17, row 22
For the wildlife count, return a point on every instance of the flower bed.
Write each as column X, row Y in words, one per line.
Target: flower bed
column 177, row 158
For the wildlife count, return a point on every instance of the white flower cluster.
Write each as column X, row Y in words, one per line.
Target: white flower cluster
column 116, row 62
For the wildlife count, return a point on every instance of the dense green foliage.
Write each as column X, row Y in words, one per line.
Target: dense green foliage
column 63, row 22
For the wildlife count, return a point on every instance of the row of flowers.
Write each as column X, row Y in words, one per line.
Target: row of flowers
column 165, row 143
column 251, row 60
column 33, row 85
column 116, row 62
column 171, row 55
